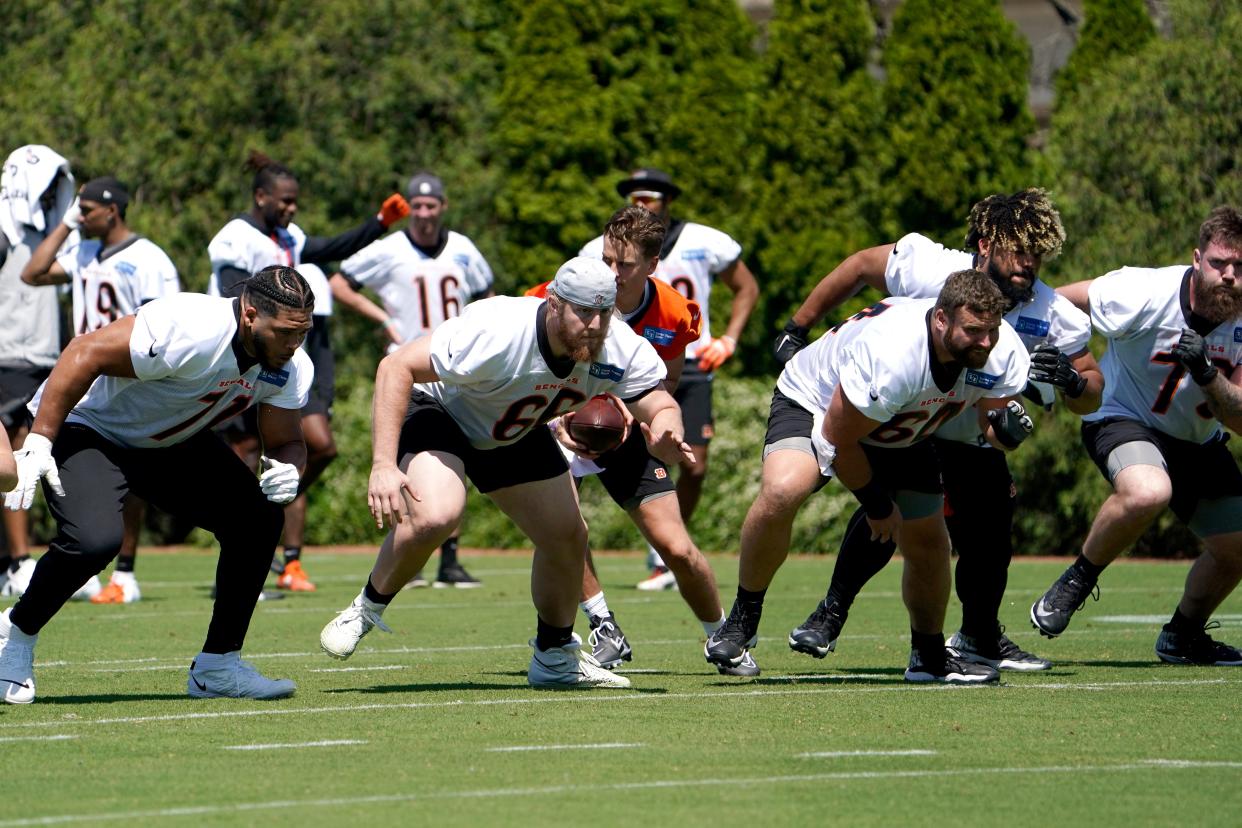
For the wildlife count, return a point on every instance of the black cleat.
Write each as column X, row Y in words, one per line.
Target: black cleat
column 1051, row 614
column 455, row 575
column 608, row 644
column 1177, row 647
column 729, row 645
column 746, row 668
column 1001, row 653
column 948, row 670
column 817, row 636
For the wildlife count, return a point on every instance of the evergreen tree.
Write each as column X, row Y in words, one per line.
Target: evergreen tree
column 956, row 117
column 818, row 123
column 1111, row 28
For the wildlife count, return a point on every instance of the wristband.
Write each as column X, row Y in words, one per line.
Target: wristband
column 874, row 500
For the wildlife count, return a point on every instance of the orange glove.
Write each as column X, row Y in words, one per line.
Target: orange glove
column 394, row 208
column 716, row 352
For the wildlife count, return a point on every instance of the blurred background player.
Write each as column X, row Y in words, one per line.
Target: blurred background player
column 423, row 276
column 36, row 188
column 636, row 481
column 266, row 235
column 114, row 271
column 692, row 257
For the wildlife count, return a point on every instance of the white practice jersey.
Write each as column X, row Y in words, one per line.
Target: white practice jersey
column 420, row 291
column 691, row 266
column 1142, row 311
column 241, row 245
column 918, row 267
column 318, row 281
column 496, row 379
column 881, row 358
column 184, row 350
column 115, row 282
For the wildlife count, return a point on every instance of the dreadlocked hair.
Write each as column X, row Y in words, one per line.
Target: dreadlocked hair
column 276, row 287
column 265, row 170
column 639, row 227
column 1024, row 221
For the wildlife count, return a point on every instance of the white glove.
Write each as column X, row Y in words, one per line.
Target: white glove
column 73, row 216
column 279, row 481
column 34, row 462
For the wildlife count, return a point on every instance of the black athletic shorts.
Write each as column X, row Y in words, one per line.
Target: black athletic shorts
column 1204, row 471
column 319, row 349
column 908, row 468
column 631, row 475
column 694, row 395
column 429, row 427
column 18, row 384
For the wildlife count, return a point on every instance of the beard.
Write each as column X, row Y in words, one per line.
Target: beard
column 971, row 356
column 1013, row 294
column 268, row 360
column 1215, row 303
column 585, row 348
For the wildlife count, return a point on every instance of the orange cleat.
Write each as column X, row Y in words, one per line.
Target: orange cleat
column 294, row 578
column 110, row 594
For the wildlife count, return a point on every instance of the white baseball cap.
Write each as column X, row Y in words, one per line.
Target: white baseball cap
column 586, row 282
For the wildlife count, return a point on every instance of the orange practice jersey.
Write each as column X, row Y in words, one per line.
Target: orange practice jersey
column 668, row 320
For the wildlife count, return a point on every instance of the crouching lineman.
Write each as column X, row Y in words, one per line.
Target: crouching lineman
column 859, row 404
column 129, row 408
column 1172, row 375
column 471, row 401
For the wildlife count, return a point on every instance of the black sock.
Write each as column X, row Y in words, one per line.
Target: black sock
column 124, row 564
column 14, row 563
column 548, row 636
column 448, row 553
column 930, row 646
column 1088, row 569
column 1181, row 623
column 754, row 599
column 375, row 596
column 858, row 561
column 292, row 553
column 5, row 561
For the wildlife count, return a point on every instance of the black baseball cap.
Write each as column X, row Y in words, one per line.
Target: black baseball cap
column 649, row 179
column 425, row 184
column 106, row 190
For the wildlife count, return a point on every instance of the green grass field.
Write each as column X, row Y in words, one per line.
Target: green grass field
column 435, row 724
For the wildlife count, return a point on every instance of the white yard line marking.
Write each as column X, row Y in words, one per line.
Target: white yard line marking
column 290, row 745
column 59, row 737
column 601, row 698
column 656, row 784
column 842, row 754
column 1225, row 620
column 357, row 669
column 521, row 748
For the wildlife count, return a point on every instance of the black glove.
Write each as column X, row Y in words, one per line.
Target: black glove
column 791, row 340
column 1010, row 424
column 1191, row 351
column 1050, row 365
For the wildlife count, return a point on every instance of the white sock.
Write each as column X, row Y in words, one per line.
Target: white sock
column 595, row 606
column 710, row 627
column 653, row 558
column 123, row 578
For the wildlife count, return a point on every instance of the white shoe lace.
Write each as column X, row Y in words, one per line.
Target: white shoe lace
column 360, row 613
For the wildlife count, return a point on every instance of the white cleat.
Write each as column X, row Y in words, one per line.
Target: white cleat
column 569, row 668
column 16, row 662
column 19, row 579
column 122, row 588
column 226, row 676
column 661, row 579
column 88, row 590
column 340, row 637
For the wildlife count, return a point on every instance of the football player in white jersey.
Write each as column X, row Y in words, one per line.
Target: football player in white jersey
column 470, row 401
column 129, row 408
column 693, row 257
column 114, row 271
column 267, row 235
column 424, row 276
column 36, row 188
column 859, row 404
column 1173, row 384
column 1009, row 238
